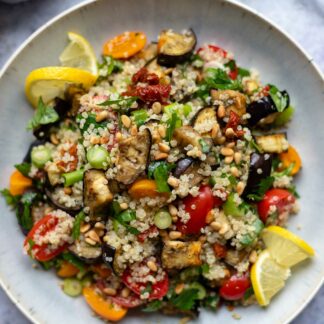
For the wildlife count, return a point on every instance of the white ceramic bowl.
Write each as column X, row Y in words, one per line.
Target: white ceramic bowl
column 256, row 43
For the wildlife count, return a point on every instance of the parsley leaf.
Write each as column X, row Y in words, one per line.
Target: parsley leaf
column 90, row 120
column 140, row 116
column 160, row 172
column 123, row 220
column 25, row 218
column 121, row 103
column 186, row 300
column 67, row 256
column 23, row 168
column 11, row 200
column 211, row 301
column 153, row 306
column 108, row 66
column 79, row 218
column 43, row 115
column 258, row 193
column 205, row 268
column 171, row 126
column 248, row 293
column 280, row 98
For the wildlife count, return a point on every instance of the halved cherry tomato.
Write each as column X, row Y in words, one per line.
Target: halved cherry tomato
column 103, row 307
column 198, row 208
column 214, row 48
column 280, row 198
column 125, row 45
column 102, row 270
column 42, row 252
column 234, row 288
column 19, row 183
column 156, row 290
column 289, row 157
column 67, row 270
column 131, row 301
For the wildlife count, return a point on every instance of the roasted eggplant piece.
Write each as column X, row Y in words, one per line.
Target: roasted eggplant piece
column 232, row 101
column 179, row 255
column 85, row 252
column 109, row 257
column 260, row 168
column 49, row 191
column 37, row 142
column 175, row 48
column 133, row 156
column 274, row 143
column 263, row 108
column 96, row 193
column 186, row 135
column 188, row 166
column 204, row 120
column 148, row 53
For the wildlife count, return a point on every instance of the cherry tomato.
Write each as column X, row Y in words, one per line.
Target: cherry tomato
column 128, row 302
column 217, row 202
column 144, row 235
column 42, row 252
column 198, row 208
column 234, row 288
column 156, row 290
column 214, row 49
column 280, row 198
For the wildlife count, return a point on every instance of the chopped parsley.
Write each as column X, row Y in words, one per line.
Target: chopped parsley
column 153, row 306
column 23, row 168
column 280, row 98
column 11, row 200
column 258, row 193
column 108, row 66
column 140, row 116
column 160, row 172
column 90, row 120
column 186, row 299
column 172, row 125
column 43, row 115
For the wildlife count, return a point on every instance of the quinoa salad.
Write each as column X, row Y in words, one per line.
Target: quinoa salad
column 151, row 188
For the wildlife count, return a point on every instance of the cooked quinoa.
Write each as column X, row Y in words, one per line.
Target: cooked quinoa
column 157, row 184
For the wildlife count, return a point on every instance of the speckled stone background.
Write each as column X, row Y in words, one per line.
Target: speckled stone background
column 302, row 19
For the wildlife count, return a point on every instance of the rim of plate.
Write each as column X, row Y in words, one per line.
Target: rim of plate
column 234, row 3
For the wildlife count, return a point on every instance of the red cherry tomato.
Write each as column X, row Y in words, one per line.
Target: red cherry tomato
column 156, row 290
column 42, row 252
column 280, row 198
column 235, row 287
column 214, row 49
column 131, row 301
column 198, row 208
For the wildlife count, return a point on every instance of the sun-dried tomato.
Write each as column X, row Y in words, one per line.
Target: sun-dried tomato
column 144, row 76
column 233, row 122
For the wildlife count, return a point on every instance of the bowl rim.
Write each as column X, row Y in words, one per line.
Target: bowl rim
column 233, row 3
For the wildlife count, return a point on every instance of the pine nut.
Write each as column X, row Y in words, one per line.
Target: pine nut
column 156, row 107
column 224, row 229
column 133, row 130
column 173, row 182
column 164, row 147
column 220, row 140
column 93, row 235
column 203, row 239
column 125, row 292
column 85, row 228
column 209, row 217
column 215, row 226
column 235, row 172
column 95, row 140
column 214, row 131
column 126, row 121
column 178, row 289
column 229, row 132
column 226, row 151
column 161, row 156
column 173, row 210
column 162, row 131
column 99, row 225
column 102, row 115
column 123, row 205
column 237, row 157
column 221, row 111
column 101, row 233
column 119, row 136
column 152, row 265
column 240, row 188
column 103, row 140
column 253, row 256
column 230, row 144
column 90, row 241
column 106, row 238
column 228, row 159
column 67, row 190
column 54, row 139
column 174, row 235
column 174, row 219
column 110, row 291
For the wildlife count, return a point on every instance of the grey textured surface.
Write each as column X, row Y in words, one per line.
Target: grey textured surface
column 302, row 19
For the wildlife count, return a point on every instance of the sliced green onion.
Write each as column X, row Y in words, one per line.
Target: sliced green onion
column 72, row 177
column 98, row 157
column 128, row 215
column 140, row 116
column 162, row 219
column 40, row 155
column 231, row 208
column 201, row 289
column 72, row 287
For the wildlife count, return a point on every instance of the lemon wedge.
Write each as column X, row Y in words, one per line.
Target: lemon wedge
column 79, row 54
column 50, row 82
column 267, row 277
column 285, row 247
